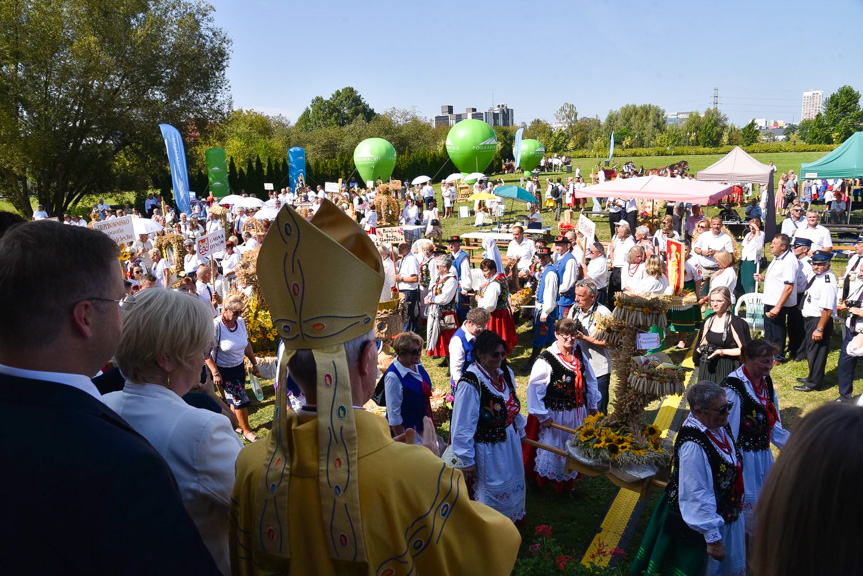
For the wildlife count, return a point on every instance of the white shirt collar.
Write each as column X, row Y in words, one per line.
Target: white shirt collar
column 78, row 381
column 402, row 369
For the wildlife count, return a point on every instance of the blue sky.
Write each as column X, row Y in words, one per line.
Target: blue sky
column 597, row 55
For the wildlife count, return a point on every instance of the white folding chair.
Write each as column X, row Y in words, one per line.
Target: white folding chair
column 754, row 310
column 464, row 212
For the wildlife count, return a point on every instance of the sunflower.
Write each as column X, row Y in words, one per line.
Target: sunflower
column 652, row 430
column 625, row 447
column 613, row 450
column 638, row 451
column 586, row 433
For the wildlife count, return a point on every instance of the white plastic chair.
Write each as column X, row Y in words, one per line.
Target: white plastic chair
column 754, row 305
column 463, row 212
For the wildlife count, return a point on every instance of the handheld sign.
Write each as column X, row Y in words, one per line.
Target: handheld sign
column 211, row 243
column 120, row 230
column 268, row 186
column 647, row 340
column 331, row 187
column 587, row 227
column 390, row 235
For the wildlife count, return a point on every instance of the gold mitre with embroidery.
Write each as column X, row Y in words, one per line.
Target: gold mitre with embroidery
column 322, row 279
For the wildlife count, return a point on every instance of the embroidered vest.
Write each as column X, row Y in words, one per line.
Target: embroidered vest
column 493, row 414
column 540, row 291
column 566, row 390
column 425, row 273
column 568, row 297
column 729, row 501
column 415, row 397
column 467, row 346
column 755, row 421
column 437, row 289
column 503, row 297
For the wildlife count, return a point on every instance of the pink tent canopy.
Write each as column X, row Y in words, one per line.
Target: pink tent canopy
column 658, row 188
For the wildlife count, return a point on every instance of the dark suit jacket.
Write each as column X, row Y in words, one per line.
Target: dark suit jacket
column 82, row 493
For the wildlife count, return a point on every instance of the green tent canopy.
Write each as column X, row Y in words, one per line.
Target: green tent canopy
column 844, row 162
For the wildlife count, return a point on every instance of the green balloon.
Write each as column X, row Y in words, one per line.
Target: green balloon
column 375, row 159
column 471, row 144
column 532, row 152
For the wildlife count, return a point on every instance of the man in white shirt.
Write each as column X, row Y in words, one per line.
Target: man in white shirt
column 102, row 206
column 597, row 270
column 521, row 249
column 820, row 236
column 408, row 277
column 206, row 292
column 545, row 313
column 586, row 312
column 213, row 223
column 618, row 253
column 161, row 269
column 141, row 248
column 819, row 307
column 578, row 172
column 780, row 282
column 796, row 329
column 709, row 243
column 428, row 194
column 40, row 213
column 566, row 275
column 794, row 222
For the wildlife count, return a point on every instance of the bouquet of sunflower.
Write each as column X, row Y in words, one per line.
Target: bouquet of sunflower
column 605, row 444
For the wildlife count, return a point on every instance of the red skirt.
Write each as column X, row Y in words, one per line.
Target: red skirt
column 502, row 323
column 441, row 347
column 528, row 452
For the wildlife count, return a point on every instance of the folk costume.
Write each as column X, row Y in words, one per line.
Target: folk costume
column 486, row 431
column 564, row 389
column 494, row 297
column 755, row 423
column 443, row 320
column 298, row 497
column 702, row 504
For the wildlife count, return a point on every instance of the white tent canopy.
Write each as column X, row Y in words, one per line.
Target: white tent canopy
column 736, row 166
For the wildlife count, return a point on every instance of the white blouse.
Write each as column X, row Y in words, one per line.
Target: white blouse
column 752, row 247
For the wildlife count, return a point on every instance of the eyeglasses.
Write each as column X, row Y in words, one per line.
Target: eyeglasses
column 723, row 409
column 496, row 354
column 99, row 299
column 567, row 336
column 413, row 352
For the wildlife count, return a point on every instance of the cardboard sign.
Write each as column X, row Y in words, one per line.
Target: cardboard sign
column 331, row 187
column 588, row 229
column 268, row 186
column 120, row 230
column 647, row 340
column 390, row 235
column 211, row 243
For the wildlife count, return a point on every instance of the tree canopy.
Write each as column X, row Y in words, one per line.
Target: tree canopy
column 841, row 118
column 341, row 109
column 84, row 84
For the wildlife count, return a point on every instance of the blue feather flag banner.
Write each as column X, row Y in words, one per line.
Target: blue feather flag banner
column 177, row 163
column 611, row 147
column 516, row 147
column 296, row 167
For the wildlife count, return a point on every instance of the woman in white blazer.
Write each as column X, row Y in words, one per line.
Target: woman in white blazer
column 166, row 336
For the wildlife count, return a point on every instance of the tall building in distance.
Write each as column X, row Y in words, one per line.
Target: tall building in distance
column 500, row 115
column 811, row 104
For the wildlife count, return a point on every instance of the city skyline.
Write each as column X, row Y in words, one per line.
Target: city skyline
column 417, row 57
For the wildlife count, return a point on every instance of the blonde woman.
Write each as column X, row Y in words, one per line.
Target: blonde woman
column 166, row 336
column 653, row 281
column 231, row 343
column 725, row 275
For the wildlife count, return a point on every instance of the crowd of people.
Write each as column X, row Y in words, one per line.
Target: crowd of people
column 154, row 407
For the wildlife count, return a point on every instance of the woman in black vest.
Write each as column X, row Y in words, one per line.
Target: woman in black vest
column 697, row 527
column 487, row 427
column 754, row 419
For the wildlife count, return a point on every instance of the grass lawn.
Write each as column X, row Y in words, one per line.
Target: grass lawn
column 576, row 519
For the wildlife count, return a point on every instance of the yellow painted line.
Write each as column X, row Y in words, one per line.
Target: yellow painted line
column 620, row 512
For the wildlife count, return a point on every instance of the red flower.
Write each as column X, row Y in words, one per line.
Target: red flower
column 533, row 549
column 562, row 561
column 617, row 552
column 543, row 531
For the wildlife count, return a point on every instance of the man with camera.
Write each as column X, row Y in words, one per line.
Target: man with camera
column 819, row 306
column 780, row 281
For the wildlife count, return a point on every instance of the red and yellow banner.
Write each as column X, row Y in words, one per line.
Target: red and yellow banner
column 674, row 266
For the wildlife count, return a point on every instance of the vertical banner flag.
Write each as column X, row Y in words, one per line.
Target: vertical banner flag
column 611, row 147
column 516, row 147
column 177, row 163
column 674, row 266
column 296, row 167
column 217, row 172
column 770, row 214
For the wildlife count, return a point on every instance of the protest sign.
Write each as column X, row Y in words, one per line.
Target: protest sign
column 211, row 243
column 120, row 230
column 587, row 227
column 390, row 235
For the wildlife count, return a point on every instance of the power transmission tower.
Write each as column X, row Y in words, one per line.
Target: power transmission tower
column 715, row 98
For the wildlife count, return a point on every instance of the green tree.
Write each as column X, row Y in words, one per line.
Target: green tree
column 244, row 135
column 340, row 109
column 842, row 114
column 83, row 84
column 803, row 129
column 818, row 132
column 751, row 134
column 539, row 130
